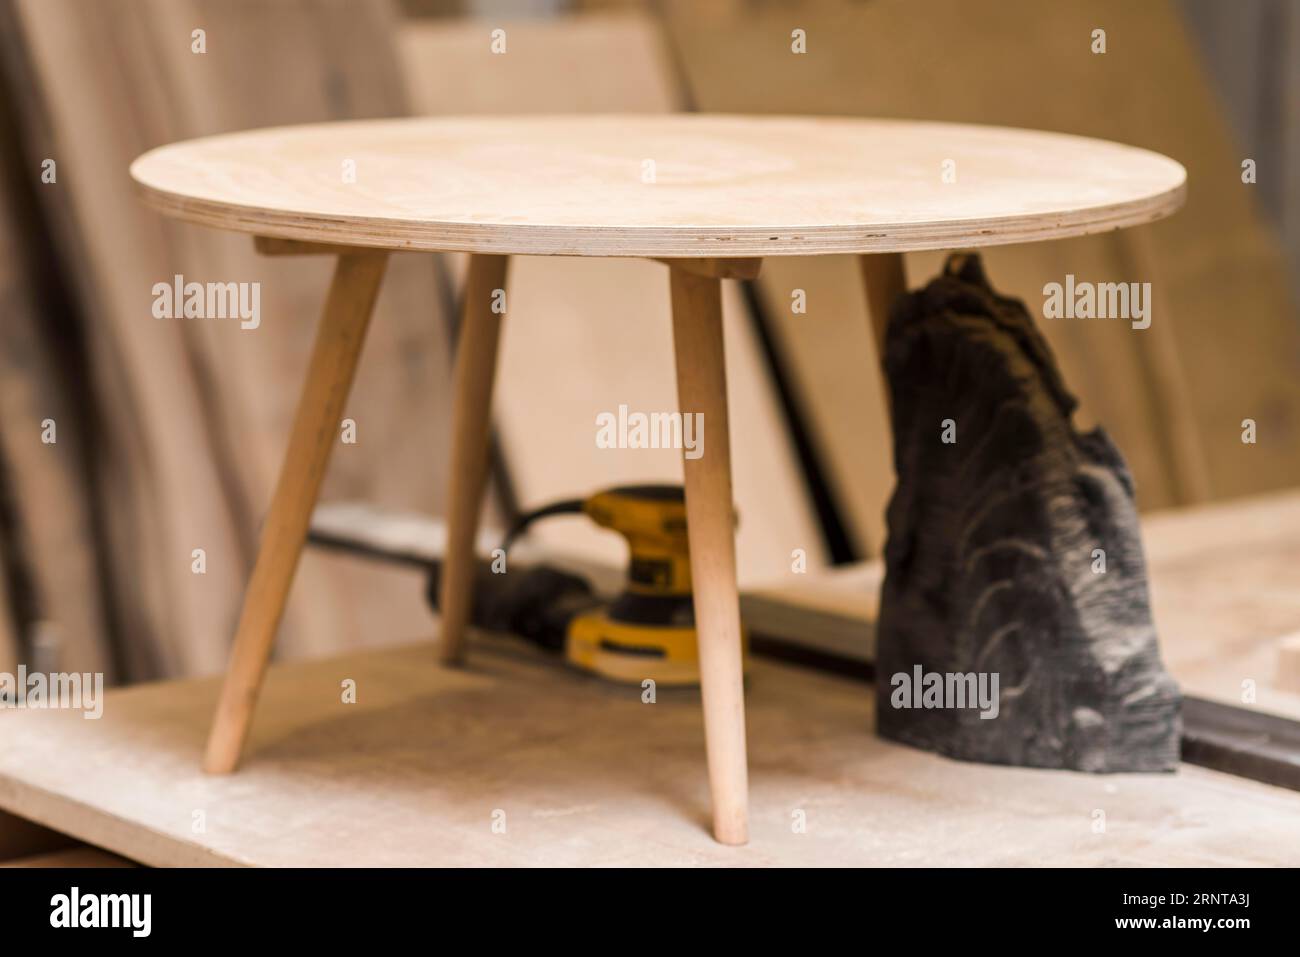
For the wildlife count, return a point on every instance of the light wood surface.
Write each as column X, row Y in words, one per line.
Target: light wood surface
column 676, row 186
column 702, row 390
column 583, row 773
column 1225, row 595
column 718, row 268
column 884, row 279
column 476, row 364
column 1288, row 664
column 316, row 430
column 1165, row 376
column 593, row 334
column 594, row 61
column 270, row 246
column 832, row 365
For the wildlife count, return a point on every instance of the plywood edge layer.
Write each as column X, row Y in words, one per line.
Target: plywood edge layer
column 660, row 241
column 87, row 823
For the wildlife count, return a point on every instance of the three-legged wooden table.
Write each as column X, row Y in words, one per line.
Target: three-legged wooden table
column 707, row 195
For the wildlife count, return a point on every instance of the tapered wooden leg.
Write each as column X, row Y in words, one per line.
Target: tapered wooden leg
column 884, row 280
column 315, row 433
column 476, row 363
column 702, row 388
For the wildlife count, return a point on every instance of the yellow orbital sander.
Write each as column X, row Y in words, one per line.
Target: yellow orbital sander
column 647, row 631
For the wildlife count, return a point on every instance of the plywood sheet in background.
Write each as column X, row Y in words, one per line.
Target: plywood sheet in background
column 1252, row 50
column 586, row 336
column 194, row 414
column 1224, row 344
column 48, row 570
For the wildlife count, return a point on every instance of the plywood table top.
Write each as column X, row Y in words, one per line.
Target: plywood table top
column 686, row 185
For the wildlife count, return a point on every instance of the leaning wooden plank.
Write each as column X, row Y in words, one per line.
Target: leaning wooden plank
column 1146, row 89
column 200, row 410
column 594, row 336
column 417, row 761
column 607, row 62
column 45, row 482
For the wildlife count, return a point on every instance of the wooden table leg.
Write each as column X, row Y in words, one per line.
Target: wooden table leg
column 884, row 280
column 471, row 418
column 315, row 433
column 702, row 388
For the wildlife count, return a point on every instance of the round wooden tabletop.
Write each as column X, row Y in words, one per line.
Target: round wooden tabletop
column 685, row 185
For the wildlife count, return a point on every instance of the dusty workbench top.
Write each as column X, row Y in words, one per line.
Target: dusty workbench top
column 419, row 769
column 1225, row 595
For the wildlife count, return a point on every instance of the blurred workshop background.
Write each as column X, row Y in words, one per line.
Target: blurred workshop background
column 131, row 446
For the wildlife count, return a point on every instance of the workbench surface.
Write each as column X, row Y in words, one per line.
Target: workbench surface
column 419, row 769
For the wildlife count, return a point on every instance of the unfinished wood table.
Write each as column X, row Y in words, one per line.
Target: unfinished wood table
column 707, row 195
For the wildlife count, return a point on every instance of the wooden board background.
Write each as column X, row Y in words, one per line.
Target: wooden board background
column 192, row 416
column 49, row 571
column 1225, row 342
column 585, row 336
column 1251, row 48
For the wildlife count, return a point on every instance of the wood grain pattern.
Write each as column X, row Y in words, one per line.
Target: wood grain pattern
column 339, row 339
column 710, row 516
column 718, row 185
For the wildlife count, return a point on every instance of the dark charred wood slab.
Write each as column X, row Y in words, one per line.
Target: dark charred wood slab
column 1013, row 549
